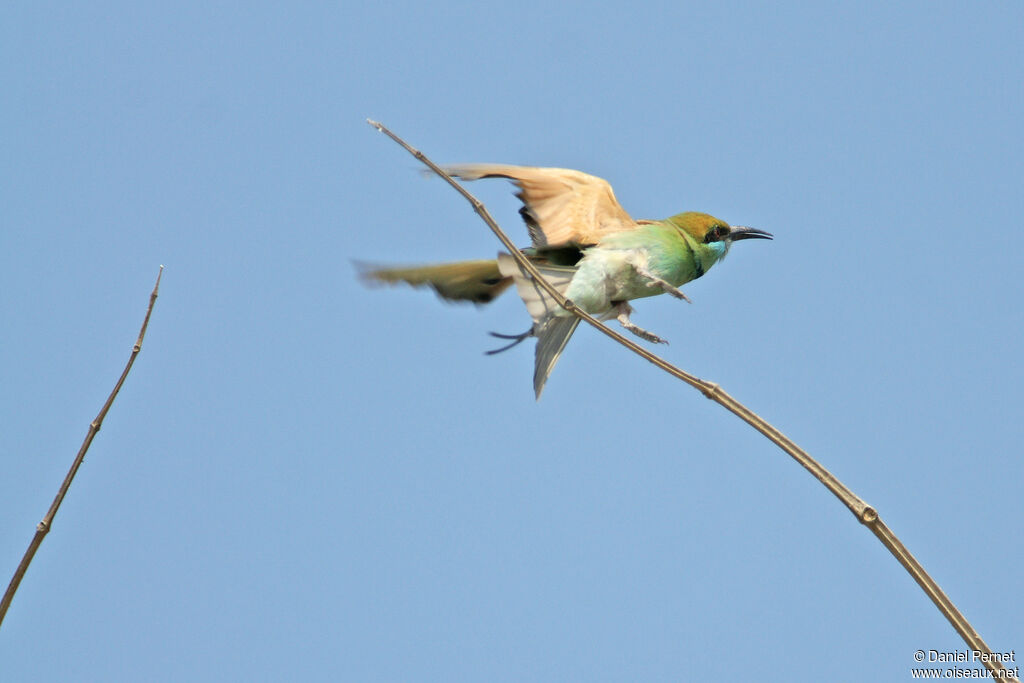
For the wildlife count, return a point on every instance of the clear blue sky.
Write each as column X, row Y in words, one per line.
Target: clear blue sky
column 305, row 479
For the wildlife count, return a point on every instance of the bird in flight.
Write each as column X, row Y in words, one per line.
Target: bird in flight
column 587, row 246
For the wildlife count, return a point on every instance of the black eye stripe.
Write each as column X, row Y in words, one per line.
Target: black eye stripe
column 716, row 234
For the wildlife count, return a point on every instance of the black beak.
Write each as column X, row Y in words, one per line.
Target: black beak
column 740, row 232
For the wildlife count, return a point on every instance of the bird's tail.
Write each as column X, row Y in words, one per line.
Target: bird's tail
column 551, row 340
column 552, row 330
column 477, row 281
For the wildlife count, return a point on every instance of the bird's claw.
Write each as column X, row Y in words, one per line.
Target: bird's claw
column 647, row 336
column 677, row 293
column 516, row 339
column 629, row 325
column 666, row 287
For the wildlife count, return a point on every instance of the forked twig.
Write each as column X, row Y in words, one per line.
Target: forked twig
column 864, row 513
column 44, row 526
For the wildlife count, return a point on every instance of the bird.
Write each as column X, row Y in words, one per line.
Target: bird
column 587, row 246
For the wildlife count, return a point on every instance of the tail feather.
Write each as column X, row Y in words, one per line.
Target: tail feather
column 551, row 340
column 482, row 281
column 551, row 325
column 477, row 281
column 539, row 303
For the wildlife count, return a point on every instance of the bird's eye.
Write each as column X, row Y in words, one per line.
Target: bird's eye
column 716, row 233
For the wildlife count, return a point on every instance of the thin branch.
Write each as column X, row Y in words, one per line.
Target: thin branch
column 44, row 526
column 864, row 513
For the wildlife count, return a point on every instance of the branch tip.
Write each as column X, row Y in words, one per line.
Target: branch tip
column 43, row 528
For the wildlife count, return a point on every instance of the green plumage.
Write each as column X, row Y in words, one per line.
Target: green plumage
column 587, row 247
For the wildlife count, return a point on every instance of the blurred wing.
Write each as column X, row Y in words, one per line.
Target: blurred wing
column 476, row 281
column 561, row 206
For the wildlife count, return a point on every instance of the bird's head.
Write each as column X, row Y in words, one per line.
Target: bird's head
column 714, row 235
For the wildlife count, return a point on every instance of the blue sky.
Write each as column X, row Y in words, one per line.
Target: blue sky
column 305, row 479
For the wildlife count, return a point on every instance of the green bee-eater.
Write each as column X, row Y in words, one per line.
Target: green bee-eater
column 588, row 247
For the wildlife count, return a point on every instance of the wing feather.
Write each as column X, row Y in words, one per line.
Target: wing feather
column 561, row 206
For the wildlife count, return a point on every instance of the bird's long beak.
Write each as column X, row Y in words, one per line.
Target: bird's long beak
column 740, row 232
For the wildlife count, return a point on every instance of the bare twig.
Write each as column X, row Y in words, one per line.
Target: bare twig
column 44, row 526
column 864, row 513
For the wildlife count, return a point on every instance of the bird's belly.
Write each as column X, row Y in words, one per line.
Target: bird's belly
column 605, row 276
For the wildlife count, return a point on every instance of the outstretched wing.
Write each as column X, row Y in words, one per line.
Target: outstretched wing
column 560, row 206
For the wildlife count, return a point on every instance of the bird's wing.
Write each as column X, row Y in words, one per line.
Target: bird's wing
column 561, row 206
column 476, row 281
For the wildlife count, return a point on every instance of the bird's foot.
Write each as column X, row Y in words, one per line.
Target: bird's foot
column 677, row 293
column 624, row 320
column 516, row 339
column 655, row 281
